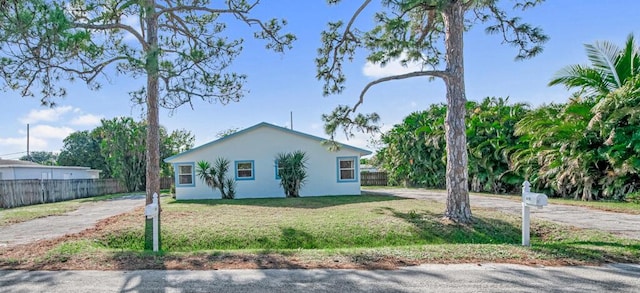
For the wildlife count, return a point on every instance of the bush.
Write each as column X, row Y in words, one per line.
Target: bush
column 292, row 168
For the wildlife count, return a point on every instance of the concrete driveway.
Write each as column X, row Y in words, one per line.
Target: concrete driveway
column 617, row 223
column 83, row 218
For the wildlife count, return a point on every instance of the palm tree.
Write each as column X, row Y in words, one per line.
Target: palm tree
column 292, row 170
column 215, row 176
column 611, row 67
column 617, row 117
column 558, row 152
column 590, row 153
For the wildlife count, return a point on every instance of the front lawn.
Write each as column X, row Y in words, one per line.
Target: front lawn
column 368, row 231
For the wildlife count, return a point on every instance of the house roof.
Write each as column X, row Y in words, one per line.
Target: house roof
column 362, row 152
column 16, row 163
column 27, row 164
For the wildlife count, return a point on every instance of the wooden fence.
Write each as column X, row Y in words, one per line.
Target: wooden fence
column 166, row 182
column 15, row 193
column 373, row 178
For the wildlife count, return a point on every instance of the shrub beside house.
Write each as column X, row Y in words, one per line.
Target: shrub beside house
column 253, row 155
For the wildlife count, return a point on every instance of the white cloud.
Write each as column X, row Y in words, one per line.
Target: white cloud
column 13, row 141
column 48, row 115
column 134, row 22
column 48, row 131
column 392, row 68
column 17, row 144
column 86, row 120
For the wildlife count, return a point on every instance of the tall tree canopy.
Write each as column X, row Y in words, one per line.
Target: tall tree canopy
column 82, row 148
column 429, row 32
column 179, row 46
column 42, row 158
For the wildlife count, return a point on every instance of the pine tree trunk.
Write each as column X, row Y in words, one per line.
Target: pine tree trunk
column 153, row 123
column 458, row 208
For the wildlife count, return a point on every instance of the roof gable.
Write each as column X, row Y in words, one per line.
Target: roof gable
column 362, row 152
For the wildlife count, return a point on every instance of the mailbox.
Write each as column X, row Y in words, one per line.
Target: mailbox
column 535, row 199
column 151, row 210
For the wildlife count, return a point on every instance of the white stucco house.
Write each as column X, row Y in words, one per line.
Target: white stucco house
column 252, row 153
column 17, row 170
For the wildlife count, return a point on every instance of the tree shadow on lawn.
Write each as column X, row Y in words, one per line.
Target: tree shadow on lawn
column 591, row 251
column 485, row 230
column 434, row 230
column 312, row 202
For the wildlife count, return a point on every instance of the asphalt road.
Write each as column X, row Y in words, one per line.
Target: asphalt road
column 426, row 278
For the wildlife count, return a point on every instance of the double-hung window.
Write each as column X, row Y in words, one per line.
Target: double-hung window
column 278, row 167
column 185, row 174
column 245, row 170
column 347, row 171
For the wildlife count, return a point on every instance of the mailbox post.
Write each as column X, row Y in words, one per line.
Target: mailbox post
column 151, row 211
column 529, row 199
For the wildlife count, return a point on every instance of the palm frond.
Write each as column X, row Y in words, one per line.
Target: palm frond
column 603, row 57
column 628, row 61
column 578, row 76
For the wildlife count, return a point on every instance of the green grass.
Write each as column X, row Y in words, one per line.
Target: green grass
column 26, row 213
column 369, row 224
column 341, row 229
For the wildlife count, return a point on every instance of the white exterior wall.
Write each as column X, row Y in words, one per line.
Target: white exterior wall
column 261, row 145
column 39, row 172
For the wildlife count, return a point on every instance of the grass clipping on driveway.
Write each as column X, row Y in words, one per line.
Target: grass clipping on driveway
column 368, row 231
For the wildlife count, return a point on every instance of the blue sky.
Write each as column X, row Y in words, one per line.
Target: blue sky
column 281, row 83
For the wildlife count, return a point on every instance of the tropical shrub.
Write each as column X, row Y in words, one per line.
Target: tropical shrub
column 215, row 176
column 414, row 151
column 490, row 135
column 292, row 170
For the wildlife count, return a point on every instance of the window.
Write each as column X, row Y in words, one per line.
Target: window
column 347, row 171
column 244, row 170
column 278, row 168
column 185, row 174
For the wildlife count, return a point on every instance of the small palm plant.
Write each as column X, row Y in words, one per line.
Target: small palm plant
column 215, row 176
column 292, row 168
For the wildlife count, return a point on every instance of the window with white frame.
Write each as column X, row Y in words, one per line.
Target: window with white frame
column 244, row 170
column 185, row 174
column 347, row 169
column 278, row 167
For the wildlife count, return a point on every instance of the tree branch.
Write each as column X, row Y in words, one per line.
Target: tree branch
column 346, row 33
column 432, row 73
column 185, row 8
column 114, row 26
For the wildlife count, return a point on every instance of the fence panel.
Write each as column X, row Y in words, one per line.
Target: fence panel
column 373, row 178
column 166, row 182
column 15, row 193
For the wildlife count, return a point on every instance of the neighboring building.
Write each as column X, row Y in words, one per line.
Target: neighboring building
column 252, row 154
column 368, row 168
column 15, row 170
